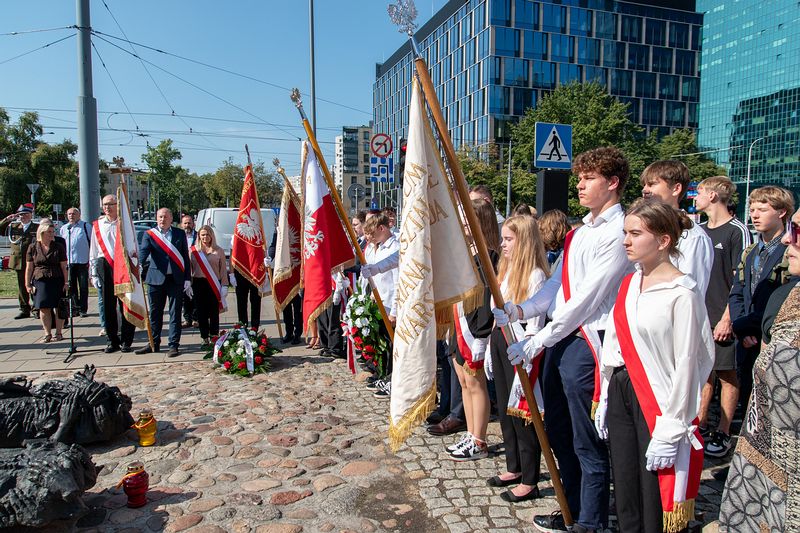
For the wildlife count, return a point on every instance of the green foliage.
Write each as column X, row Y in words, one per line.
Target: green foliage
column 164, row 173
column 224, row 187
column 680, row 142
column 487, row 169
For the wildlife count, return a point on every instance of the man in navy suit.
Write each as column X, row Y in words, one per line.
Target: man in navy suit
column 168, row 276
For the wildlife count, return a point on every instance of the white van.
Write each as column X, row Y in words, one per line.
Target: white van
column 222, row 220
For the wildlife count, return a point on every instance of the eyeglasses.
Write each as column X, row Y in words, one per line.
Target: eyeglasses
column 793, row 229
column 113, row 203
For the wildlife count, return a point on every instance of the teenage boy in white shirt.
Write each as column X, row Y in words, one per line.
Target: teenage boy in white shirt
column 583, row 289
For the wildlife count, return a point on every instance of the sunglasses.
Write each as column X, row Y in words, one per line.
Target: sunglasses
column 793, row 229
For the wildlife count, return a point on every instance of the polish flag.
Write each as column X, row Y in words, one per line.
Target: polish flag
column 325, row 243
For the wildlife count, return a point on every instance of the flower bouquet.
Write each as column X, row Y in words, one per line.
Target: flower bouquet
column 241, row 351
column 361, row 321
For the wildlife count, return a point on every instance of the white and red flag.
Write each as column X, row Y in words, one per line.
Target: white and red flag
column 286, row 274
column 128, row 284
column 249, row 247
column 325, row 243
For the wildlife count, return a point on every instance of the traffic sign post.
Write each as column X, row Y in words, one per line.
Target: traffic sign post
column 381, row 145
column 381, row 169
column 553, row 146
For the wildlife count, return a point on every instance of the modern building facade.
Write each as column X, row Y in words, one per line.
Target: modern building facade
column 750, row 91
column 351, row 167
column 490, row 60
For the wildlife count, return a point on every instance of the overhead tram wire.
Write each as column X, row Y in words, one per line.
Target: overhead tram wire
column 24, row 32
column 36, row 49
column 199, row 88
column 158, row 88
column 228, row 71
column 114, row 83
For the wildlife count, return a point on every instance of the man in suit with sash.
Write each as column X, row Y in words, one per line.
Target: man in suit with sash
column 168, row 277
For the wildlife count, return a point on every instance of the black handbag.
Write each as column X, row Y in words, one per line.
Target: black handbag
column 63, row 308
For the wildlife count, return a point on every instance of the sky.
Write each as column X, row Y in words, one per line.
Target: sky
column 208, row 113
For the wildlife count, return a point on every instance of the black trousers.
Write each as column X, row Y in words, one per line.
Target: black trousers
column 207, row 307
column 246, row 291
column 523, row 453
column 638, row 499
column 23, row 296
column 330, row 330
column 79, row 286
column 189, row 309
column 117, row 333
column 293, row 317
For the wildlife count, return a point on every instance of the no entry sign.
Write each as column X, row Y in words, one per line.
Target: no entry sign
column 381, row 145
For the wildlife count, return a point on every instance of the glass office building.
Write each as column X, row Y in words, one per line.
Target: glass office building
column 750, row 92
column 490, row 60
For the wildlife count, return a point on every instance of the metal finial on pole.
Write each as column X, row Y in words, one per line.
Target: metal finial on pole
column 247, row 151
column 278, row 167
column 403, row 14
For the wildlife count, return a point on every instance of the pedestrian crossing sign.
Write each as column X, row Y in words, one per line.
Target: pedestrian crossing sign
column 553, row 145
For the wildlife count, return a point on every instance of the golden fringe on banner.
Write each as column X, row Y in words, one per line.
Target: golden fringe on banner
column 678, row 518
column 519, row 413
column 423, row 407
column 470, row 300
column 318, row 311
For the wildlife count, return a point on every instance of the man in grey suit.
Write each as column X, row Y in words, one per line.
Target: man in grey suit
column 168, row 277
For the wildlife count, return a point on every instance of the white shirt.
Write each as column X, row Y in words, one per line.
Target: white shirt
column 385, row 282
column 696, row 256
column 597, row 263
column 672, row 335
column 109, row 231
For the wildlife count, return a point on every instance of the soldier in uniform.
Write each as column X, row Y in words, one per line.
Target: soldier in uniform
column 22, row 234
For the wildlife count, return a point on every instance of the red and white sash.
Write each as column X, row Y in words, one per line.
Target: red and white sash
column 464, row 337
column 517, row 402
column 168, row 248
column 590, row 336
column 208, row 272
column 105, row 246
column 678, row 484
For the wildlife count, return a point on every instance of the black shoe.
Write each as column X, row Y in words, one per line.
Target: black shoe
column 83, row 314
column 325, row 353
column 126, row 348
column 146, row 349
column 513, row 498
column 36, row 314
column 21, row 315
column 495, row 481
column 434, row 418
column 550, row 523
column 173, row 351
column 297, row 339
column 286, row 339
column 111, row 348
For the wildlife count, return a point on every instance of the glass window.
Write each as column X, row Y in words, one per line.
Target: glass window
column 692, row 118
column 605, row 25
column 678, row 35
column 477, row 103
column 534, row 45
column 621, row 82
column 466, row 28
column 662, row 59
column 523, row 99
column 697, row 36
column 588, row 51
column 633, row 108
column 676, row 112
column 506, row 42
column 544, row 75
column 613, row 54
column 651, row 112
column 501, row 12
column 598, row 75
column 562, row 48
column 447, row 72
column 496, row 71
column 466, row 109
column 474, row 78
column 480, row 17
column 668, row 87
column 580, row 21
column 685, row 62
column 555, row 18
column 646, row 84
column 631, row 29
column 638, row 56
column 526, row 15
column 690, row 90
column 515, row 72
column 499, row 100
column 569, row 73
column 655, row 31
column 483, row 44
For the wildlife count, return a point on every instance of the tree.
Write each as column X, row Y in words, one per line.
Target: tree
column 680, row 142
column 164, row 173
column 487, row 169
column 224, row 187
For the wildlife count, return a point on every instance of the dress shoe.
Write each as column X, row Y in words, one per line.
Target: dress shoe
column 126, row 348
column 36, row 314
column 146, row 349
column 83, row 314
column 173, row 351
column 21, row 315
column 434, row 418
column 448, row 426
column 513, row 498
column 111, row 348
column 186, row 324
column 286, row 339
column 297, row 339
column 496, row 481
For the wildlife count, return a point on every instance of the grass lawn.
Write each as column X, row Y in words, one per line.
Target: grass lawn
column 8, row 285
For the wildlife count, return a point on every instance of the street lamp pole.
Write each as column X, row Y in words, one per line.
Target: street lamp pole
column 747, row 183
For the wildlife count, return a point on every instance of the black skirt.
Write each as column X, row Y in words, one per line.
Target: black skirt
column 49, row 292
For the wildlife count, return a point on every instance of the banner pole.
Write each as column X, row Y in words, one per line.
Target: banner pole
column 337, row 202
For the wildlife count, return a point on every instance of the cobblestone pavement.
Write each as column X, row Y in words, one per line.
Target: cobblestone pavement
column 302, row 448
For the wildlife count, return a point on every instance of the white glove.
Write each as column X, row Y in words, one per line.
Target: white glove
column 268, row 262
column 223, row 291
column 600, row 418
column 523, row 351
column 96, row 283
column 232, row 280
column 337, row 297
column 500, row 317
column 187, row 289
column 661, row 454
column 512, row 310
column 478, row 348
column 368, row 271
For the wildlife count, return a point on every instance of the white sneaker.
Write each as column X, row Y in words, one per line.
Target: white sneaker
column 465, row 439
column 102, row 332
column 471, row 452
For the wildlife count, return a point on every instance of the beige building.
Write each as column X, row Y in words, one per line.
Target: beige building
column 351, row 167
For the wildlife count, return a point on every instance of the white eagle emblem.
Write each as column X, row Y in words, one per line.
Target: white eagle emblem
column 313, row 240
column 249, row 228
column 294, row 246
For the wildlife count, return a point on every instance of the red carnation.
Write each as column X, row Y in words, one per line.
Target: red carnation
column 259, row 359
column 227, row 365
column 369, row 349
column 241, row 365
column 357, row 339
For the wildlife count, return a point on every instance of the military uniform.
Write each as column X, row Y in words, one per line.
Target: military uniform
column 16, row 260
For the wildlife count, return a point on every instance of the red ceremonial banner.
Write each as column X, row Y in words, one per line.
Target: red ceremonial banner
column 248, row 252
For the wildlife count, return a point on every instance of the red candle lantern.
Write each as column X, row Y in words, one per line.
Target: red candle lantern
column 135, row 484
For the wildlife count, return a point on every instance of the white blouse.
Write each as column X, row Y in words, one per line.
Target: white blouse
column 534, row 324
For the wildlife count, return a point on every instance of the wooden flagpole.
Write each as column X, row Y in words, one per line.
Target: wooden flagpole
column 337, row 202
column 405, row 18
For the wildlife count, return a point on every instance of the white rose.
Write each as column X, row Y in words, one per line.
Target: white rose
column 366, row 330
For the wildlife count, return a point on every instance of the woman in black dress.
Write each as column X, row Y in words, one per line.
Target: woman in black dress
column 46, row 278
